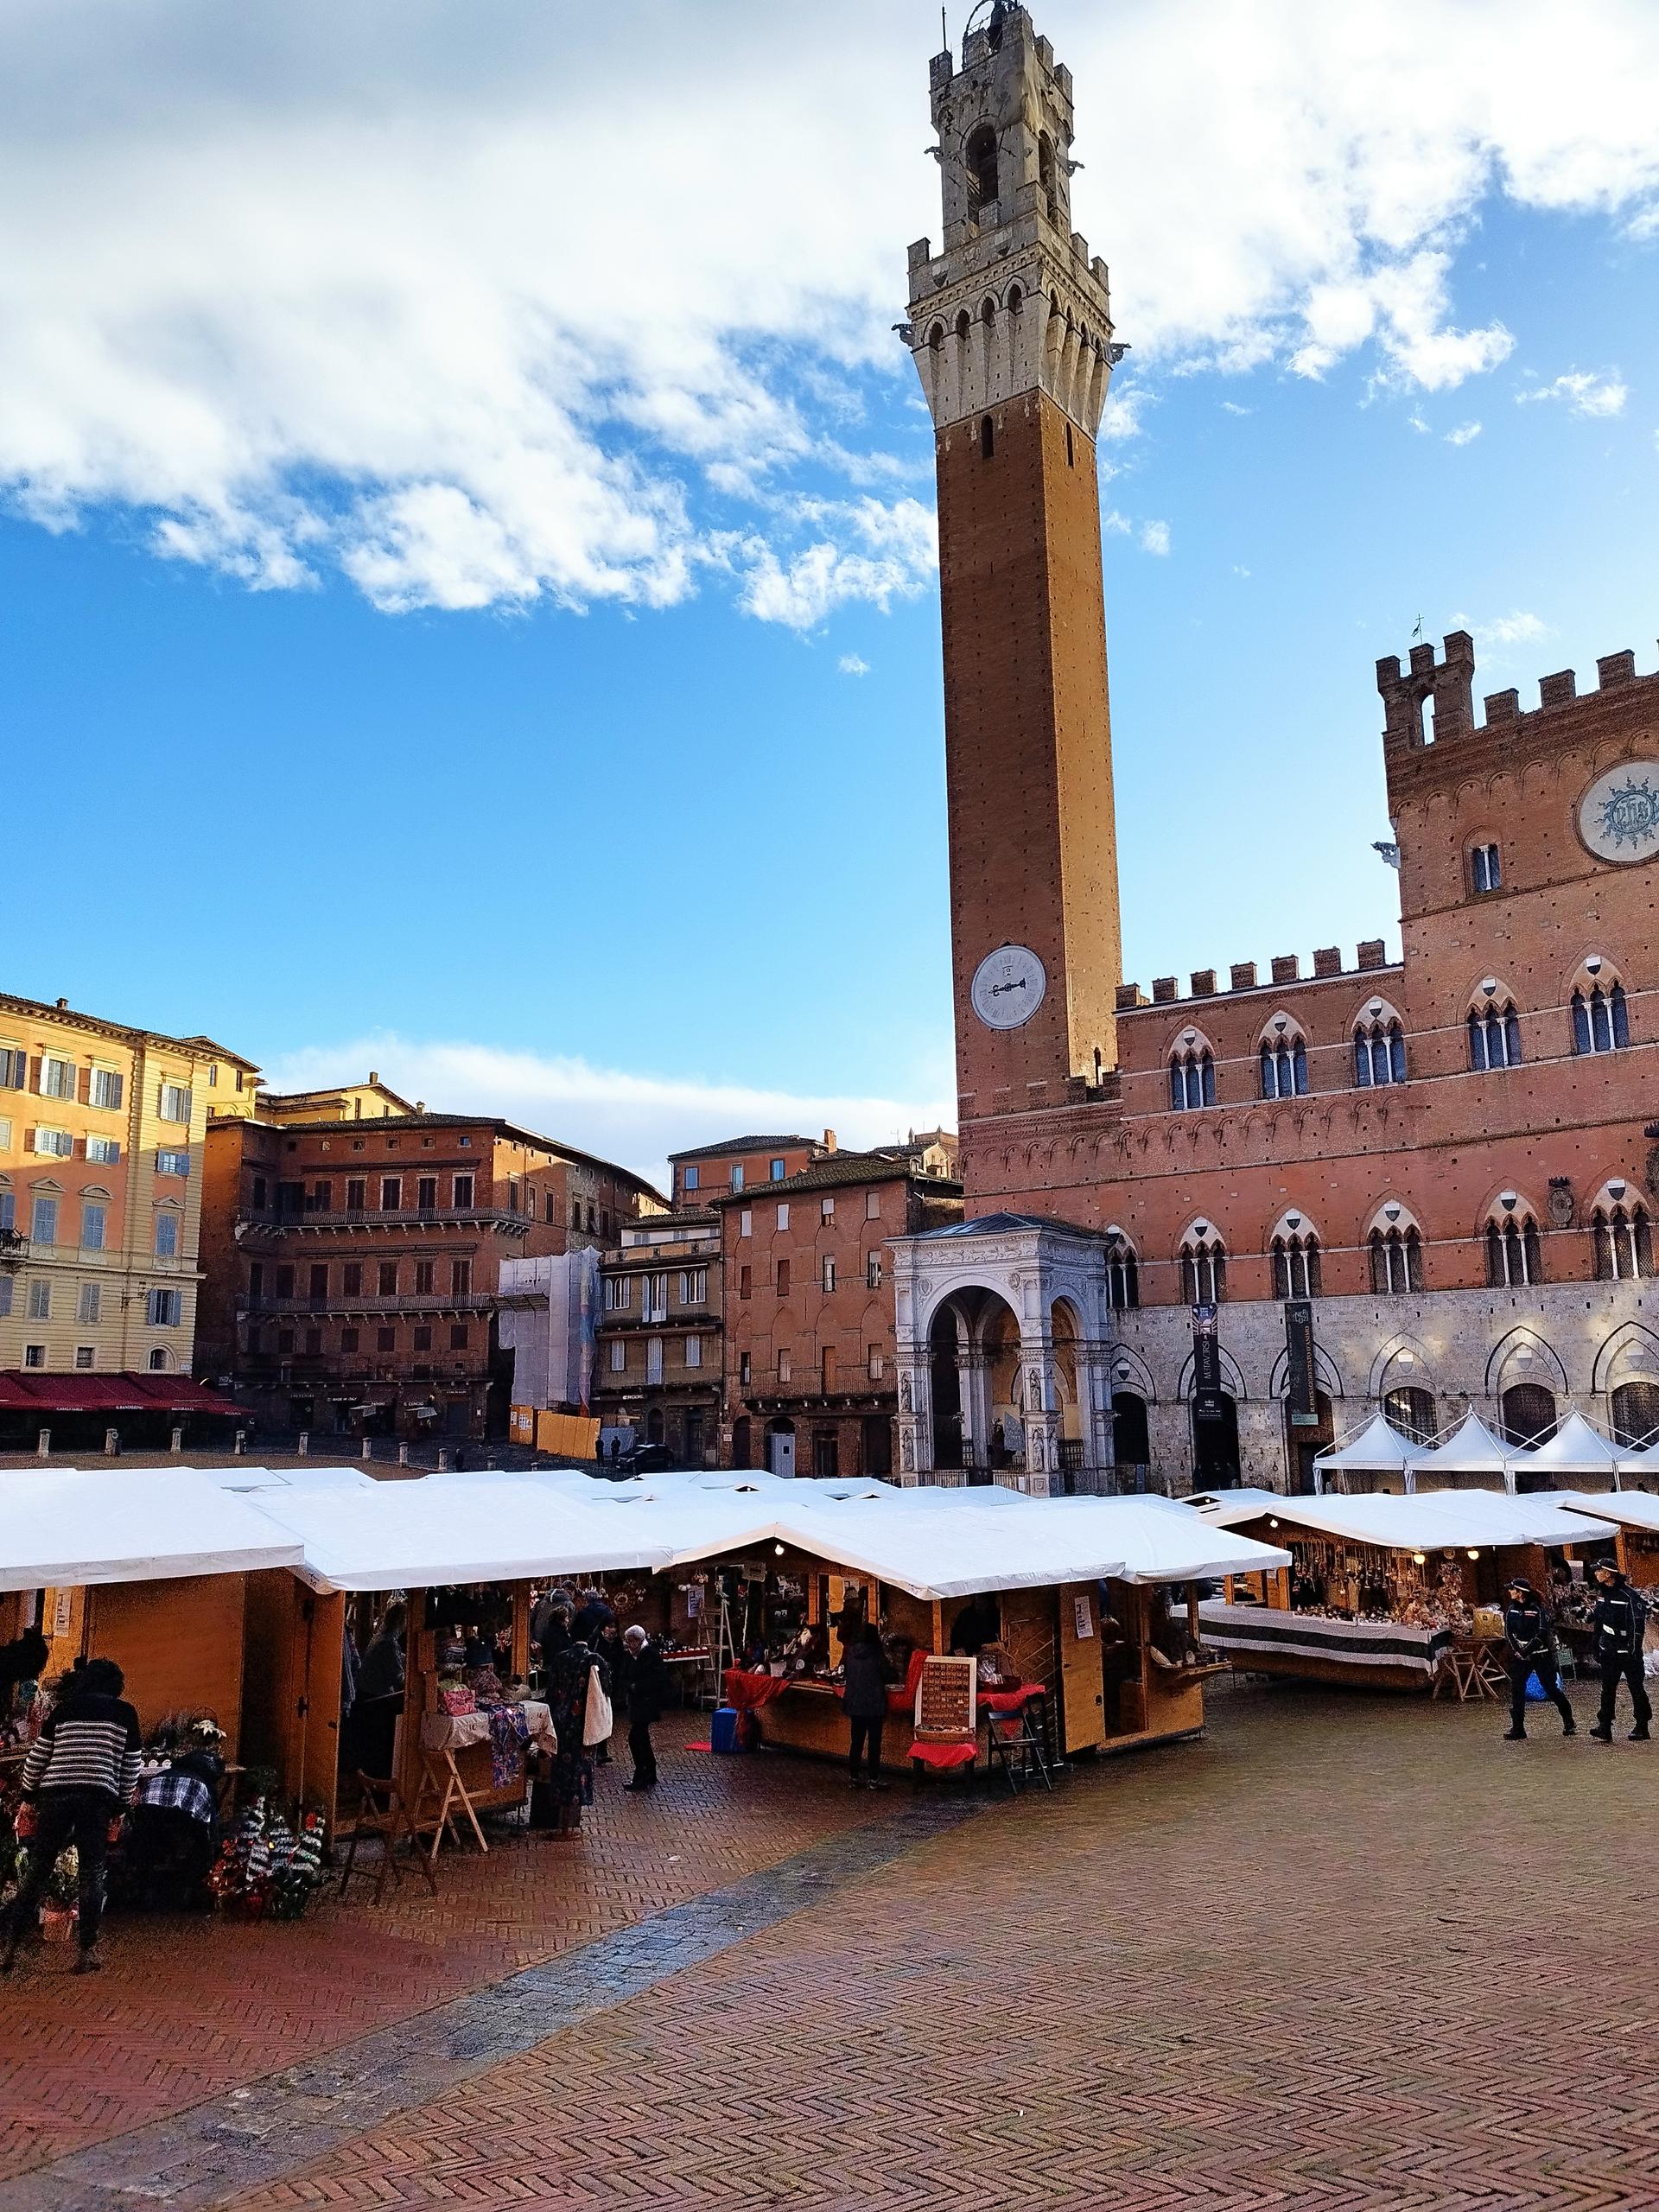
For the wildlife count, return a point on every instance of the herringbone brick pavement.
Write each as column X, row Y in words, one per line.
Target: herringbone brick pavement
column 188, row 2009
column 1346, row 1952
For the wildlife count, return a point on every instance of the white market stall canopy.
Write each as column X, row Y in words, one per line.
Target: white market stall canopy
column 1577, row 1450
column 1473, row 1520
column 412, row 1535
column 1471, row 1449
column 240, row 1476
column 1630, row 1508
column 73, row 1526
column 1378, row 1449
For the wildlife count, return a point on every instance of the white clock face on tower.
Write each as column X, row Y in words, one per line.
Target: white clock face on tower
column 1009, row 985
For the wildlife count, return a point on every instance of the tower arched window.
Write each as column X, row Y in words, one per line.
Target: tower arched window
column 1485, row 869
column 981, row 173
column 1623, row 1237
column 1122, row 1276
column 1601, row 1019
column 1494, row 1036
column 1296, row 1265
column 1191, row 1079
column 1379, row 1050
column 986, row 439
column 1283, row 1064
column 1046, row 177
column 1514, row 1254
column 964, row 323
column 1204, row 1267
column 1396, row 1260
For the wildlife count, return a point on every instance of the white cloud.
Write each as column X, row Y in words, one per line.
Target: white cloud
column 1464, row 435
column 319, row 289
column 637, row 1120
column 853, row 664
column 1595, row 393
column 1155, row 537
column 1516, row 629
column 1232, row 407
column 1416, row 422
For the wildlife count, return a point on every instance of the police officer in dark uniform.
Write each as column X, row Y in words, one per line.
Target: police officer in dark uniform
column 1620, row 1618
column 1531, row 1651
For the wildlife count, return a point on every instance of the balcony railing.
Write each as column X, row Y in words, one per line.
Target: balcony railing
column 481, row 1218
column 423, row 1302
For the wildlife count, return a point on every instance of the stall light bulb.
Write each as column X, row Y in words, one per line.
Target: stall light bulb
column 1474, row 1555
column 778, row 1550
column 1419, row 1559
column 1272, row 1523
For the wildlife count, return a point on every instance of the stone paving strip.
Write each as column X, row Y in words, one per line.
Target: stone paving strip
column 262, row 2132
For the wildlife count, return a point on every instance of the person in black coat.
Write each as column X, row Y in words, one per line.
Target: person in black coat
column 594, row 1613
column 21, row 1661
column 1618, row 1624
column 647, row 1675
column 1531, row 1650
column 864, row 1699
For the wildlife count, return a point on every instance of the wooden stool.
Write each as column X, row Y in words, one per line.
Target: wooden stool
column 382, row 1812
column 444, row 1783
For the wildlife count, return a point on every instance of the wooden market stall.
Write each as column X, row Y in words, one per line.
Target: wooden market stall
column 148, row 1567
column 456, row 1555
column 1384, row 1591
column 1634, row 1516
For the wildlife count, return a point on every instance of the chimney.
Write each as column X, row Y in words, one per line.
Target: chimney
column 828, row 1140
column 374, row 1075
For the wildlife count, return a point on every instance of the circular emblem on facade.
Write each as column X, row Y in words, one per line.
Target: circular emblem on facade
column 1618, row 816
column 1009, row 985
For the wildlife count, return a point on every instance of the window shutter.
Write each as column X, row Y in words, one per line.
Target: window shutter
column 84, row 1084
column 37, row 1074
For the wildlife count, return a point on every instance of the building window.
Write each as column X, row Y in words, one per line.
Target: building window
column 459, row 1336
column 575, row 1213
column 1624, row 1243
column 745, row 1222
column 391, row 1193
column 1494, row 1037
column 93, row 1218
column 982, row 178
column 43, row 1221
column 385, row 1339
column 166, row 1236
column 1192, row 1079
column 745, row 1369
column 351, row 1279
column 425, row 1278
column 86, row 1356
column 1529, row 1415
column 986, row 439
column 876, row 1362
column 348, row 1340
column 618, row 1294
column 106, row 1090
column 827, row 1370
column 783, row 1216
column 39, row 1301
column 1485, row 869
column 1601, row 1020
column 513, row 1194
column 460, row 1278
column 1124, row 1277
column 33, row 1355
column 285, row 1343
column 871, row 1205
column 1410, row 1413
column 785, row 1367
column 694, row 1286
column 285, row 1282
column 463, row 1190
column 1513, row 1256
column 777, row 1171
column 1396, row 1262
column 313, row 1343
column 1379, row 1052
column 781, row 1285
column 176, row 1163
column 5, row 1296
column 104, row 1150
column 317, row 1290
column 1203, row 1269
column 737, row 1174
column 828, row 1276
column 653, row 1361
column 1296, row 1266
column 426, row 1194
column 57, row 1143
column 57, row 1078
column 157, row 1361
column 356, row 1195
column 1635, row 1414
column 175, row 1102
column 618, row 1356
column 1284, row 1067
column 165, row 1309
column 826, row 1209
column 693, row 1352
column 388, row 1278
column 654, row 1294
column 690, row 1179
column 14, row 1068
column 743, row 1283
column 89, row 1303
column 873, row 1271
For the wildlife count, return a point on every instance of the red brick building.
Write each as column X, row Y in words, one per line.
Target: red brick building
column 1454, row 1155
column 704, row 1173
column 351, row 1263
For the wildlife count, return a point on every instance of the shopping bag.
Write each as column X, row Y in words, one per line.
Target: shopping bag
column 599, row 1721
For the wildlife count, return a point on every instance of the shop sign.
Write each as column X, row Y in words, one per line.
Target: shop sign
column 947, row 1700
column 1206, row 1365
column 1299, row 1347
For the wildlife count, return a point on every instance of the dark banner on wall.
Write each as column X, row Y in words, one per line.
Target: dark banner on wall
column 1206, row 1365
column 1298, row 1346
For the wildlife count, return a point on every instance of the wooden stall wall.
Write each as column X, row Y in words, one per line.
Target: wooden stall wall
column 1083, row 1694
column 179, row 1643
column 292, row 1675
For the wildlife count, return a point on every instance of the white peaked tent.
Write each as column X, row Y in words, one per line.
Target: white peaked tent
column 1576, row 1453
column 1471, row 1449
column 74, row 1526
column 1378, row 1449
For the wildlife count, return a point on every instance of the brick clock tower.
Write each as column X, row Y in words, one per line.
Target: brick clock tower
column 1011, row 329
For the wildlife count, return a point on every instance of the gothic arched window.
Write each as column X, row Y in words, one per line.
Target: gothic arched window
column 1396, row 1262
column 1624, row 1243
column 1284, row 1065
column 1204, row 1269
column 1514, row 1256
column 1409, row 1412
column 1191, row 1079
column 1045, row 177
column 1485, row 869
column 981, row 173
column 1122, row 1276
column 1296, row 1265
column 1494, row 1036
column 1601, row 1019
column 1379, row 1051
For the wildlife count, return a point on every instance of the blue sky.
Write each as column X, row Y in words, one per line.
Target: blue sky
column 398, row 659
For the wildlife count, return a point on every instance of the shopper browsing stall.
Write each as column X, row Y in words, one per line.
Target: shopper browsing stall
column 647, row 1673
column 79, row 1776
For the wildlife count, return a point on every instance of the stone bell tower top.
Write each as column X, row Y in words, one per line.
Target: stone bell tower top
column 1014, row 304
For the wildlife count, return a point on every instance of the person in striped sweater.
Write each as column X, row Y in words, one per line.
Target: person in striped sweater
column 78, row 1780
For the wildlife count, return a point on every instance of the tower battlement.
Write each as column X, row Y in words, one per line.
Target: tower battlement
column 1430, row 702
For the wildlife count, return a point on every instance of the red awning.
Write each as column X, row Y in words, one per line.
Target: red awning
column 22, row 1390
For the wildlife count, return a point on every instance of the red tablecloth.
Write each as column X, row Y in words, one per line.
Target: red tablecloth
column 944, row 1755
column 1011, row 1700
column 748, row 1692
